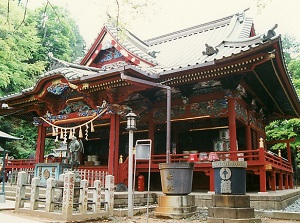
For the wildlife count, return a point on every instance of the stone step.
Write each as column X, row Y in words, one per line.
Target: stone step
column 175, row 212
column 232, row 213
column 231, row 201
column 222, row 220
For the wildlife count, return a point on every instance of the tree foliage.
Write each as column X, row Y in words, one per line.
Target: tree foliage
column 290, row 47
column 24, row 44
column 58, row 33
column 19, row 45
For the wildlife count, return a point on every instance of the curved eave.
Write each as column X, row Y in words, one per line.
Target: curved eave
column 272, row 78
column 286, row 80
column 71, row 75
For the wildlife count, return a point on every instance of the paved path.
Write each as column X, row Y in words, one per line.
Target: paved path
column 11, row 217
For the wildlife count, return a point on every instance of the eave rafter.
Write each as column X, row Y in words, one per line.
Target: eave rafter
column 220, row 70
column 284, row 88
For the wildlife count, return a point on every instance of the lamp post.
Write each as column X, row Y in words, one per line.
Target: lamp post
column 131, row 126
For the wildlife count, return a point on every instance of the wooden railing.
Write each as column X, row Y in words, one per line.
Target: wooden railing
column 254, row 158
column 92, row 175
column 257, row 157
column 278, row 162
column 20, row 163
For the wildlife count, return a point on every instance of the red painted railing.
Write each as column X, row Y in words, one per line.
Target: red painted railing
column 254, row 158
column 20, row 163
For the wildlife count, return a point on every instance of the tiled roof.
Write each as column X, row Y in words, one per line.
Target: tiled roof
column 175, row 51
column 70, row 73
column 185, row 47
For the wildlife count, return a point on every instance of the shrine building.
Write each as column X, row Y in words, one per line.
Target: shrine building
column 226, row 82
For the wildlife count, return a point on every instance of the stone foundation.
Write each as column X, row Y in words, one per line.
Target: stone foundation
column 231, row 208
column 176, row 207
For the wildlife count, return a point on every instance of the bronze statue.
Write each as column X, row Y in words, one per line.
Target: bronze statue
column 75, row 148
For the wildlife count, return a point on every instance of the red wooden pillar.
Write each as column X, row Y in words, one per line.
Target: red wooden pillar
column 40, row 146
column 262, row 180
column 291, row 183
column 232, row 127
column 273, row 181
column 280, row 181
column 288, row 150
column 286, row 181
column 210, row 173
column 113, row 154
column 248, row 137
column 262, row 170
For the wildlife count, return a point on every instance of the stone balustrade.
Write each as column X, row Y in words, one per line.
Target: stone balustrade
column 67, row 198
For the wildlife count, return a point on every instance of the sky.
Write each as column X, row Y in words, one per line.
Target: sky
column 167, row 16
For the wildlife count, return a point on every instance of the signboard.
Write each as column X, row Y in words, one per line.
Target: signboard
column 143, row 149
column 142, row 152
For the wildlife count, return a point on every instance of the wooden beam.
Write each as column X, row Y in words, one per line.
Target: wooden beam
column 281, row 141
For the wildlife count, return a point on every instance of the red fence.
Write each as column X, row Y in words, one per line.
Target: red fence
column 254, row 158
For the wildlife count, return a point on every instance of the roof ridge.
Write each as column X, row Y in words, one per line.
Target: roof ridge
column 192, row 29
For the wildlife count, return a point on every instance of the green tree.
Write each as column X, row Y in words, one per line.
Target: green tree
column 18, row 46
column 291, row 47
column 23, row 57
column 58, row 32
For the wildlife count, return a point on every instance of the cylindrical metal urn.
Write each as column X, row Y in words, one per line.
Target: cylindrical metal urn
column 176, row 178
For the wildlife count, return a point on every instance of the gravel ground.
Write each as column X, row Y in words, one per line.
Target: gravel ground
column 295, row 207
column 199, row 217
column 142, row 218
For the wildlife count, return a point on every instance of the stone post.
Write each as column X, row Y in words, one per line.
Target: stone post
column 83, row 199
column 49, row 206
column 109, row 193
column 35, row 192
column 68, row 196
column 97, row 196
column 20, row 192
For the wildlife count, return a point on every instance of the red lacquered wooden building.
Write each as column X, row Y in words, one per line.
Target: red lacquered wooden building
column 227, row 84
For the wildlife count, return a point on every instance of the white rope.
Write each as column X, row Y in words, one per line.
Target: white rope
column 74, row 127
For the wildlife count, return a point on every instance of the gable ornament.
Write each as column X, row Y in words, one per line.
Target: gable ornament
column 271, row 33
